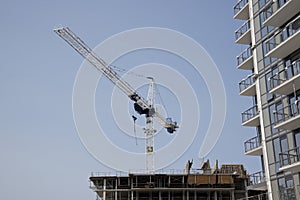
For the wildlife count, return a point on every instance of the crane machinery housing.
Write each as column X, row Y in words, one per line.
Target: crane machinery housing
column 141, row 105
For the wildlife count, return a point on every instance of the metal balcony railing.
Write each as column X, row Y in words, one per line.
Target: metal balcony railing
column 289, row 157
column 243, row 29
column 247, row 53
column 271, row 11
column 246, row 82
column 241, row 4
column 257, row 178
column 252, row 143
column 285, row 74
column 281, row 3
column 263, row 196
column 282, row 35
column 287, row 112
column 250, row 113
column 287, row 193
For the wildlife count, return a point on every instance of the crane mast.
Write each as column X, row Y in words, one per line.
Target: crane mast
column 149, row 129
column 141, row 105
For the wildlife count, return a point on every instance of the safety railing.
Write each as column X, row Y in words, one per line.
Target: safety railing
column 263, row 196
column 239, row 6
column 247, row 53
column 285, row 74
column 287, row 193
column 257, row 178
column 247, row 82
column 250, row 113
column 290, row 157
column 282, row 35
column 252, row 143
column 243, row 29
column 287, row 112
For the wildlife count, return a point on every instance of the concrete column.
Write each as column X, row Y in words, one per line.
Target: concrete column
column 215, row 195
column 104, row 189
column 232, row 195
column 259, row 103
column 116, row 191
column 246, row 191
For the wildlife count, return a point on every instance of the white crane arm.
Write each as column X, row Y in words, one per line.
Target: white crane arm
column 86, row 52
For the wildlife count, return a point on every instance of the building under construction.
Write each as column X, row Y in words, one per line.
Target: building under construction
column 230, row 182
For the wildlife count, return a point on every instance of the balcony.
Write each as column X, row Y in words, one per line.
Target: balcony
column 288, row 118
column 285, row 42
column 263, row 196
column 287, row 193
column 247, row 85
column 290, row 160
column 251, row 117
column 241, row 10
column 257, row 182
column 243, row 35
column 245, row 60
column 253, row 147
column 286, row 9
column 285, row 81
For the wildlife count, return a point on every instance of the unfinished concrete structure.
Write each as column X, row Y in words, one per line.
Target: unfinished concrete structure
column 227, row 183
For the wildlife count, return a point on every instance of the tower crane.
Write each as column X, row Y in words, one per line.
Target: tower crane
column 141, row 105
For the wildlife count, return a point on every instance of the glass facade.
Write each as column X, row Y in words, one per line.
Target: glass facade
column 275, row 51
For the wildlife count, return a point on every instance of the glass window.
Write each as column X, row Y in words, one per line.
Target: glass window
column 294, row 101
column 261, row 3
column 266, row 46
column 286, row 188
column 276, row 146
column 280, row 145
column 275, row 116
column 271, row 81
column 297, row 138
column 284, row 144
column 281, row 2
column 267, row 12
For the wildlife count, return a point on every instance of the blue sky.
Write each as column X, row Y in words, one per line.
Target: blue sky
column 41, row 154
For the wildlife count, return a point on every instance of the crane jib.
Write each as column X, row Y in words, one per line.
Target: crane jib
column 140, row 105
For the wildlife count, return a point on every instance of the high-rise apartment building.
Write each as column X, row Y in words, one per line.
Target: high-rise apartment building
column 270, row 33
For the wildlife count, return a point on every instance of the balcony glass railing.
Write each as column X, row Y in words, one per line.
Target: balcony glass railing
column 285, row 74
column 283, row 35
column 250, row 113
column 252, row 143
column 247, row 53
column 246, row 82
column 241, row 4
column 257, row 178
column 289, row 157
column 287, row 193
column 279, row 5
column 287, row 112
column 243, row 29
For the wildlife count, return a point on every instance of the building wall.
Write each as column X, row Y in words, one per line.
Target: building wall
column 274, row 141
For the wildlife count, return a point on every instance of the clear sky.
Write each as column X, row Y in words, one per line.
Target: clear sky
column 41, row 155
